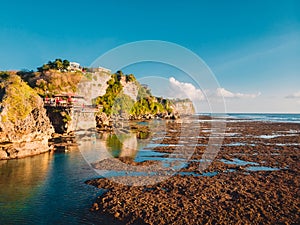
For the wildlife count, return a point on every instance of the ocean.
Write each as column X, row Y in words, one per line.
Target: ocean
column 267, row 117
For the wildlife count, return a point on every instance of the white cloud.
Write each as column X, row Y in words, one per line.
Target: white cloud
column 295, row 95
column 185, row 90
column 228, row 94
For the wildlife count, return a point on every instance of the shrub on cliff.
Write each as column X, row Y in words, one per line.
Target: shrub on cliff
column 16, row 97
column 122, row 105
column 108, row 99
column 114, row 101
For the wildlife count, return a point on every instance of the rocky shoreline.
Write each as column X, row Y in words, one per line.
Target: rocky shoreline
column 253, row 180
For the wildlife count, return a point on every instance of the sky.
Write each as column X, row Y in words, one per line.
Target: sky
column 251, row 47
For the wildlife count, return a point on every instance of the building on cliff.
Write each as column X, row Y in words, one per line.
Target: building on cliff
column 99, row 70
column 74, row 66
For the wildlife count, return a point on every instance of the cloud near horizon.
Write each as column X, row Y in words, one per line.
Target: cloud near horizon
column 294, row 95
column 222, row 92
column 188, row 90
column 185, row 90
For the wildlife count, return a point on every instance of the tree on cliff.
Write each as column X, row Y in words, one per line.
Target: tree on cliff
column 58, row 64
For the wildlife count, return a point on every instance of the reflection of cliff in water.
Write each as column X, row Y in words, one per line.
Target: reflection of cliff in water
column 122, row 145
column 98, row 147
column 30, row 173
column 134, row 139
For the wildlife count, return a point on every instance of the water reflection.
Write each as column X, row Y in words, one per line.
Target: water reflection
column 125, row 145
column 28, row 173
column 106, row 145
column 48, row 189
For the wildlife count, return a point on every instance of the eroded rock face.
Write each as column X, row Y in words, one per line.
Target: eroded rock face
column 183, row 107
column 26, row 137
column 24, row 134
column 131, row 89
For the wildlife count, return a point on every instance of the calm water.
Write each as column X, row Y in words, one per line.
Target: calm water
column 47, row 189
column 50, row 189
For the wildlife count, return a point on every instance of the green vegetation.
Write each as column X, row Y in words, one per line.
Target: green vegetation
column 116, row 102
column 58, row 64
column 4, row 75
column 122, row 104
column 66, row 117
column 167, row 104
column 17, row 97
column 130, row 78
column 54, row 78
column 113, row 90
column 115, row 144
column 143, row 92
column 148, row 105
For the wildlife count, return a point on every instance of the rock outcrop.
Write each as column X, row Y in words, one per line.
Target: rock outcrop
column 183, row 106
column 126, row 98
column 24, row 125
column 93, row 85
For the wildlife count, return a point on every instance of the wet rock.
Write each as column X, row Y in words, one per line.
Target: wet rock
column 234, row 195
column 95, row 207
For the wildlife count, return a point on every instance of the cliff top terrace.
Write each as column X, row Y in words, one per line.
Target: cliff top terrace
column 64, row 100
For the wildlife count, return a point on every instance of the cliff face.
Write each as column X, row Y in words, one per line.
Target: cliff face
column 93, row 86
column 183, row 107
column 131, row 89
column 24, row 125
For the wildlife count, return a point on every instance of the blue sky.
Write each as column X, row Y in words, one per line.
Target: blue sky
column 251, row 46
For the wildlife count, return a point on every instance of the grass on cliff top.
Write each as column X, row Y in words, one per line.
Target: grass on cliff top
column 17, row 97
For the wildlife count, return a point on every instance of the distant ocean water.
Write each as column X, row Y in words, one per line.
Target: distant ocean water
column 270, row 117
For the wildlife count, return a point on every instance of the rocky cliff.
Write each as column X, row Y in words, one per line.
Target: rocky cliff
column 183, row 106
column 24, row 125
